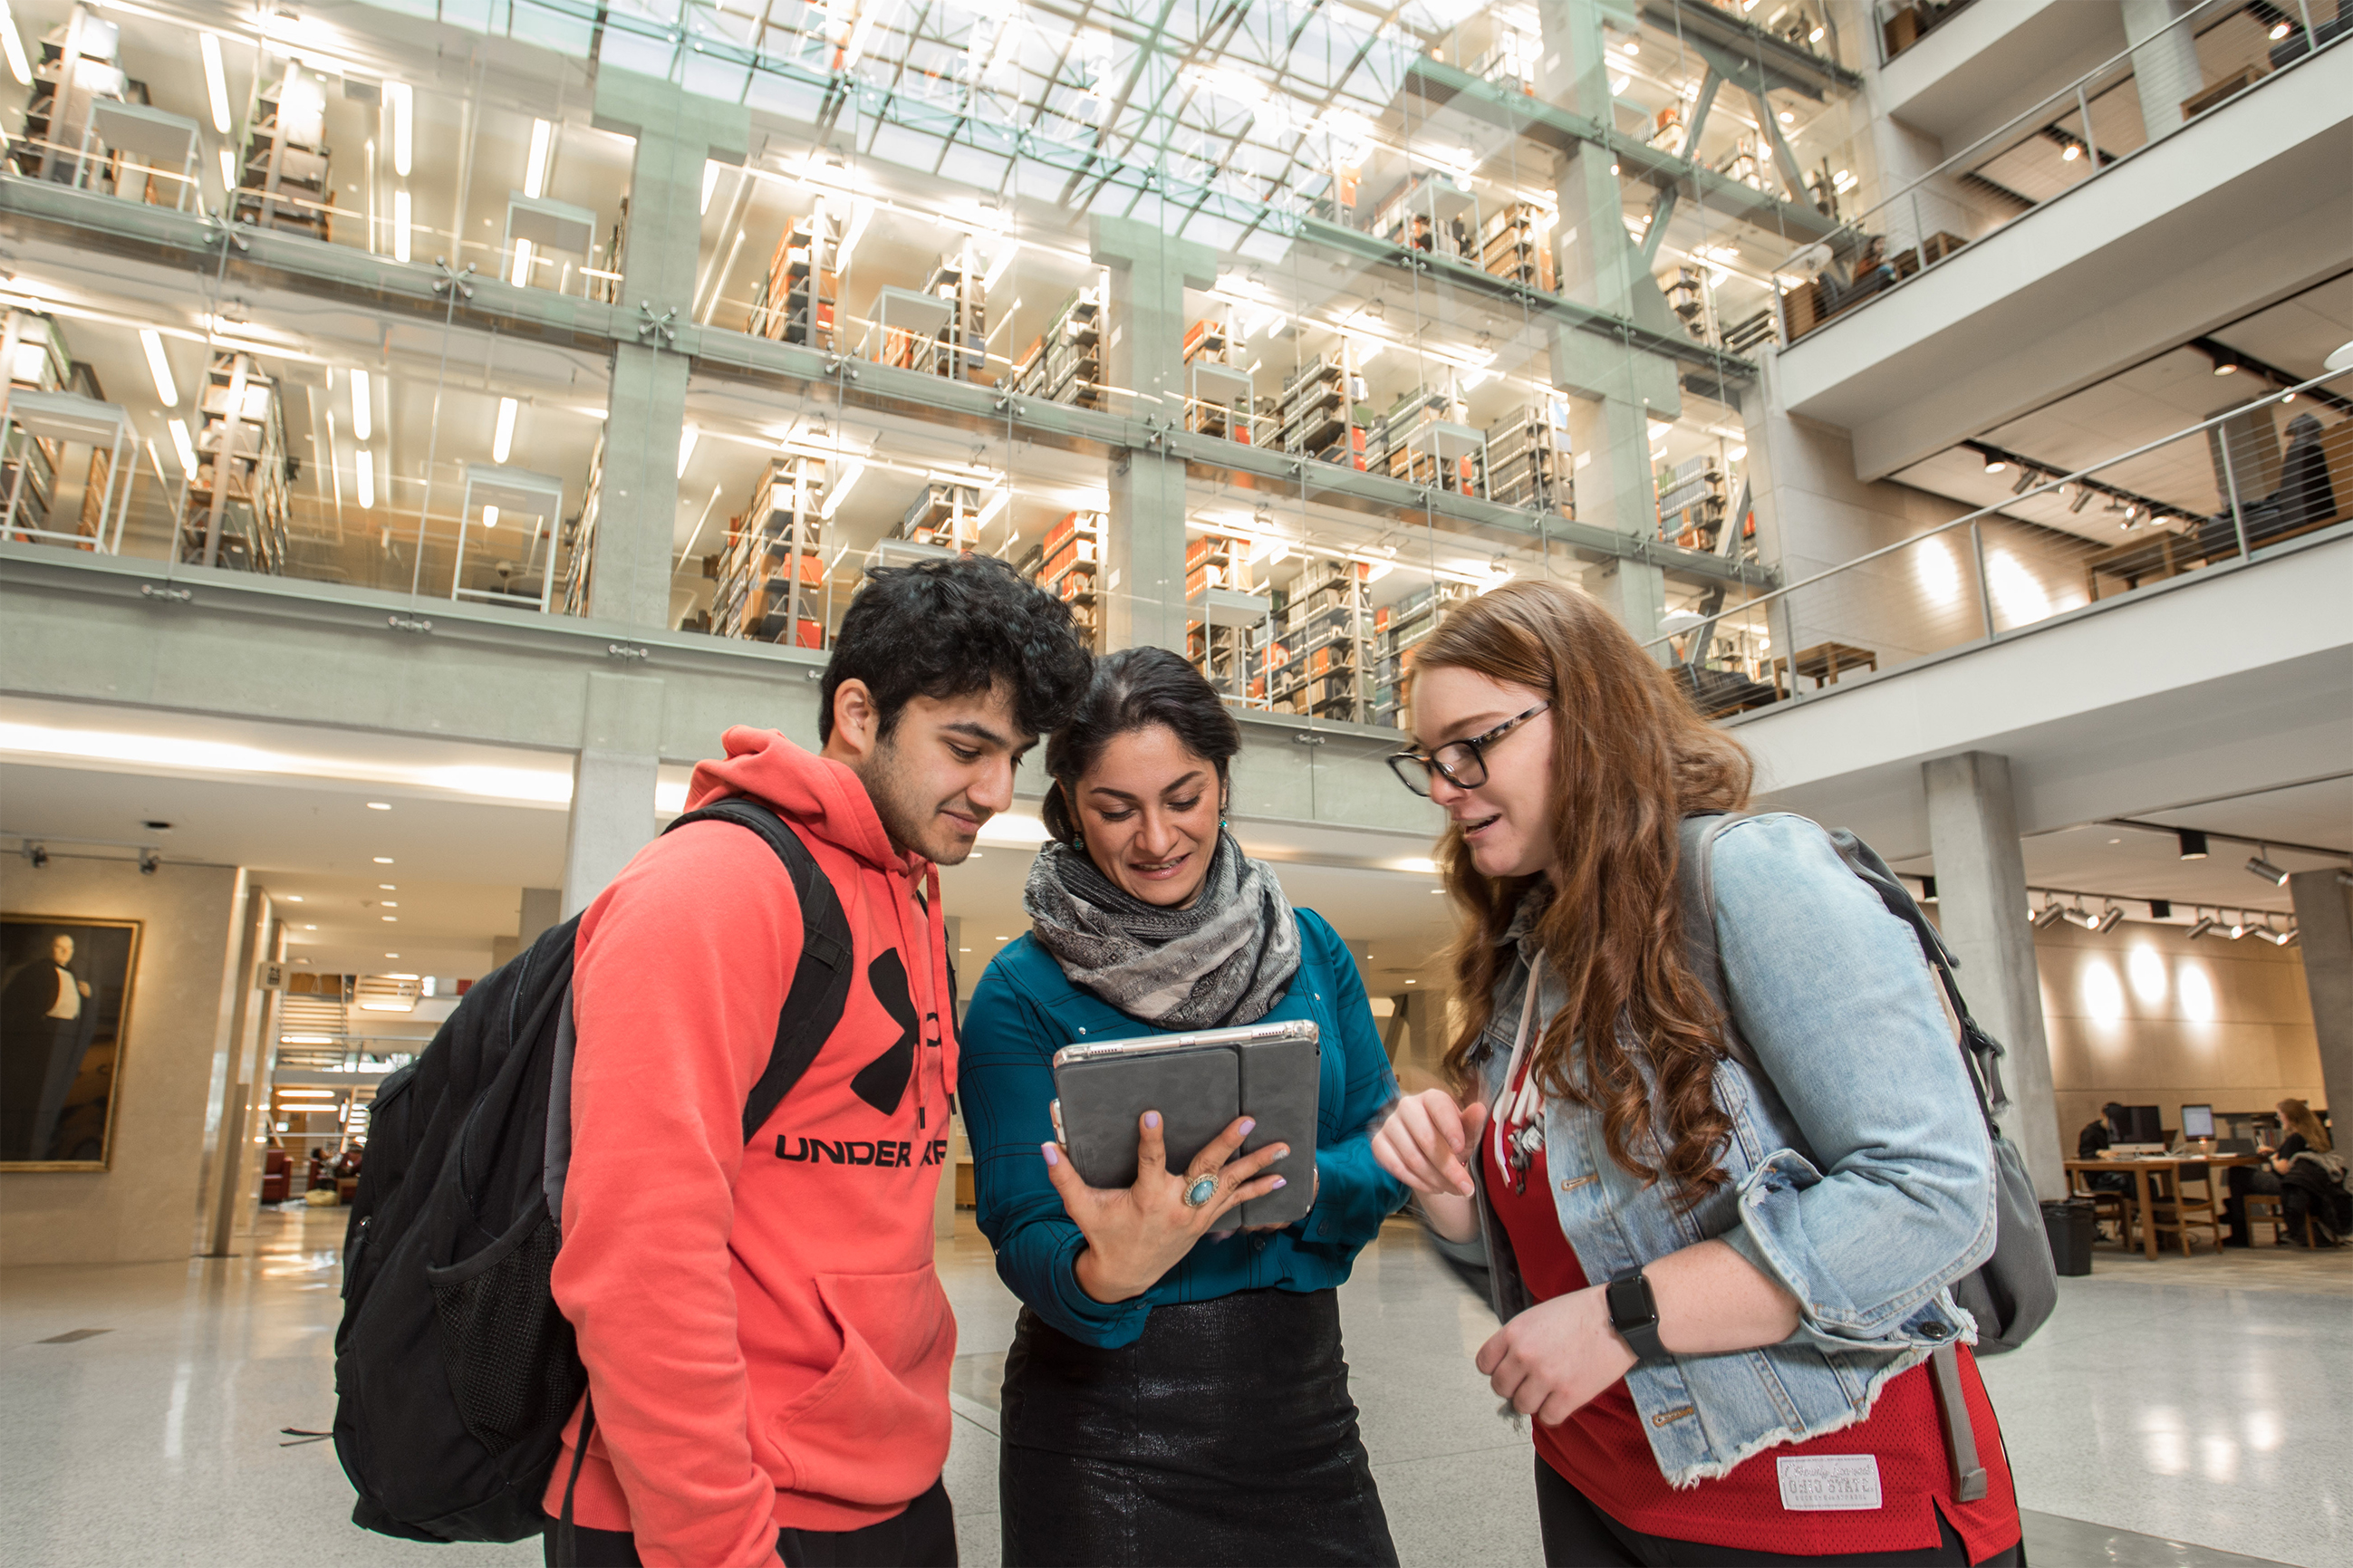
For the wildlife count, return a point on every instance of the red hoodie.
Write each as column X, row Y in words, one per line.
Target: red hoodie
column 766, row 1342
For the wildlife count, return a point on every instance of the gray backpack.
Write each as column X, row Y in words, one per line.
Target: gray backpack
column 2014, row 1290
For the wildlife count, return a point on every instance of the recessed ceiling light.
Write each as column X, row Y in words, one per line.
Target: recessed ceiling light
column 293, row 898
column 379, row 806
column 387, row 887
column 309, row 927
column 390, row 905
column 392, row 955
column 384, row 859
column 393, row 918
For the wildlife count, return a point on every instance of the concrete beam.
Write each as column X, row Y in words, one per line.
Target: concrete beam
column 2323, row 923
column 2221, row 681
column 2245, row 206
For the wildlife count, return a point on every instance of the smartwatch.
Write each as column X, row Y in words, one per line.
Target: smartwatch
column 1635, row 1315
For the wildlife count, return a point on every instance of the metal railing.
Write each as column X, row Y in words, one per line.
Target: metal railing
column 2065, row 139
column 2220, row 491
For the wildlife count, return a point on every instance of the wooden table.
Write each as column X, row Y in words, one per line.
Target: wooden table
column 1823, row 662
column 2143, row 1166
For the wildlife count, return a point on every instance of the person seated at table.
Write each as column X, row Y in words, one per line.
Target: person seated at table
column 2092, row 1142
column 2301, row 1130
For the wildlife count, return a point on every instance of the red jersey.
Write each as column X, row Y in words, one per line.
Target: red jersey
column 1603, row 1452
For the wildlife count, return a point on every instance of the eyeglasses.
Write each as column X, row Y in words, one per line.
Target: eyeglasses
column 1463, row 762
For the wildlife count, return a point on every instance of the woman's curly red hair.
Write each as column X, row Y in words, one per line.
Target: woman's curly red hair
column 1631, row 759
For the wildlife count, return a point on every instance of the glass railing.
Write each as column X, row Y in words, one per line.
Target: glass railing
column 2274, row 469
column 2203, row 58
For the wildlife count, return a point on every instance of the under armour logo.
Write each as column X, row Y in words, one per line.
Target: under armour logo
column 883, row 1082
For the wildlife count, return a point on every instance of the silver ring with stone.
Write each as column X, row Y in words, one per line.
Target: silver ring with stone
column 1199, row 1195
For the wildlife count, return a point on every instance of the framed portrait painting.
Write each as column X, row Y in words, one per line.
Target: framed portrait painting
column 65, row 1005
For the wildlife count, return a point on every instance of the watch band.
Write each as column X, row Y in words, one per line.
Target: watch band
column 1635, row 1315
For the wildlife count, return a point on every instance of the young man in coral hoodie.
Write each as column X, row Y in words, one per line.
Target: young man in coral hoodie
column 767, row 1344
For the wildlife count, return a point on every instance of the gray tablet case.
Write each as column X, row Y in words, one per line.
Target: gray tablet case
column 1198, row 1082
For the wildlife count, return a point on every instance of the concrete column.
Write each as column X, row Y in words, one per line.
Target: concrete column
column 232, row 1127
column 1615, row 391
column 613, row 784
column 637, row 510
column 1981, row 890
column 2164, row 68
column 1143, row 558
column 541, row 907
column 676, row 133
column 2323, row 923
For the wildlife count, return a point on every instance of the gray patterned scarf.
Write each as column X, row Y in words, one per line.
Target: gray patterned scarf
column 1225, row 961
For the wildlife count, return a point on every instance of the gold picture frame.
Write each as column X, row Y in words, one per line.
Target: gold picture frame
column 65, row 983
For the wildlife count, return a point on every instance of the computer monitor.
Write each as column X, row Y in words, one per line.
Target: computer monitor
column 2140, row 1124
column 2197, row 1121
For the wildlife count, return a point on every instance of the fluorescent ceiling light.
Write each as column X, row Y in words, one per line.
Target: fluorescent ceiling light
column 502, row 437
column 522, row 274
column 535, row 174
column 166, row 393
column 490, row 517
column 363, row 407
column 686, row 440
column 404, row 117
column 187, row 448
column 400, row 224
column 839, row 490
column 229, row 170
column 364, row 462
column 215, row 78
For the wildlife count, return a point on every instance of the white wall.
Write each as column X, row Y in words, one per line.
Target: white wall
column 2143, row 1015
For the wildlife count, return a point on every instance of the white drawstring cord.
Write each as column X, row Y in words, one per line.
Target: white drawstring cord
column 1528, row 1098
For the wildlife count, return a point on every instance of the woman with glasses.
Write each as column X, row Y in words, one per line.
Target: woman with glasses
column 1175, row 1392
column 1721, row 1285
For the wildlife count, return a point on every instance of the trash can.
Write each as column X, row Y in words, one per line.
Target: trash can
column 2071, row 1224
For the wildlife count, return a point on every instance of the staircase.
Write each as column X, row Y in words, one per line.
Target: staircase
column 311, row 1032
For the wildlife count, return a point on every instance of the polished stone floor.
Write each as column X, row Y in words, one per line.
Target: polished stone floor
column 2185, row 1412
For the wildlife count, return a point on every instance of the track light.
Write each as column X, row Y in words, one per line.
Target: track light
column 2160, row 908
column 2027, row 479
column 2204, row 924
column 2225, row 366
column 2273, row 935
column 2266, row 870
column 2193, row 843
column 2048, row 915
column 1995, row 465
column 2279, row 30
column 2238, row 926
column 38, row 854
column 2108, row 920
column 148, row 862
column 2082, row 497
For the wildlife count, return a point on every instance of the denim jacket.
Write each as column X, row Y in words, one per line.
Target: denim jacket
column 1861, row 1176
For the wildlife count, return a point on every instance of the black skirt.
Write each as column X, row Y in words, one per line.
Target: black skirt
column 1223, row 1436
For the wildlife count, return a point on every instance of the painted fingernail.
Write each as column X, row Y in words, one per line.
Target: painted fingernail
column 1249, row 1125
column 1051, row 1158
column 1152, row 1119
column 1280, row 1181
column 1283, row 1150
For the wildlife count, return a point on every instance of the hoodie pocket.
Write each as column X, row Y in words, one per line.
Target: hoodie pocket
column 874, row 1430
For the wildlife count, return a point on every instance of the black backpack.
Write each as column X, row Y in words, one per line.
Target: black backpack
column 2015, row 1290
column 455, row 1371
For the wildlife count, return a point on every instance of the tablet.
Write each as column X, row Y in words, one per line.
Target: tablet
column 1198, row 1082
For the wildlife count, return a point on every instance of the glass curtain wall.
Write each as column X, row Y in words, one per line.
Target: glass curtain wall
column 1262, row 331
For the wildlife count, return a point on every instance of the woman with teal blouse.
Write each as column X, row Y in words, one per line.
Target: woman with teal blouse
column 1175, row 1392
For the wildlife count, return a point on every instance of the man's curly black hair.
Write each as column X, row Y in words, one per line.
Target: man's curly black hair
column 945, row 628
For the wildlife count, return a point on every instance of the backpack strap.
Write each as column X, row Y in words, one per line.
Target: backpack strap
column 820, row 986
